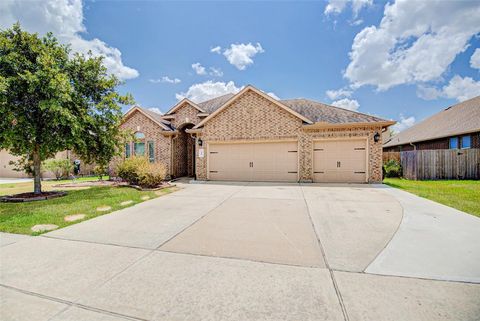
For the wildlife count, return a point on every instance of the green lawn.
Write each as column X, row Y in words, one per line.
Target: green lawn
column 20, row 217
column 462, row 195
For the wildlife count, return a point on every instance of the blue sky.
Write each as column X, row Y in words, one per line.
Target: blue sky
column 290, row 49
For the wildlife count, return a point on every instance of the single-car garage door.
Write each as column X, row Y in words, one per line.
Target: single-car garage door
column 276, row 161
column 340, row 161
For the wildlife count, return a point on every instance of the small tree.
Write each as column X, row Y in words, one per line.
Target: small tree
column 59, row 167
column 52, row 101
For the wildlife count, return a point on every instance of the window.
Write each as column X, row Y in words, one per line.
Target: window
column 139, row 149
column 466, row 142
column 139, row 135
column 453, row 142
column 151, row 152
column 127, row 150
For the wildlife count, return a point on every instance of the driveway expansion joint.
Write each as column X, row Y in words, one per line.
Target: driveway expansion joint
column 332, row 276
column 71, row 304
column 391, row 238
column 201, row 217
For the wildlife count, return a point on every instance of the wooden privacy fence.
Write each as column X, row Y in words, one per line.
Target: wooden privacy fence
column 441, row 164
column 391, row 155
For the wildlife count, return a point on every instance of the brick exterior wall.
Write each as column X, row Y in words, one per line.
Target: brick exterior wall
column 185, row 114
column 182, row 158
column 153, row 132
column 374, row 149
column 253, row 117
column 441, row 143
column 250, row 117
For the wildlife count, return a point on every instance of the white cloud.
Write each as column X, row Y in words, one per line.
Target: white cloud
column 199, row 69
column 337, row 6
column 350, row 104
column 240, row 55
column 462, row 88
column 336, row 94
column 156, row 110
column 403, row 123
column 475, row 59
column 415, row 42
column 65, row 19
column 457, row 88
column 428, row 93
column 271, row 94
column 216, row 72
column 208, row 90
column 165, row 79
column 216, row 49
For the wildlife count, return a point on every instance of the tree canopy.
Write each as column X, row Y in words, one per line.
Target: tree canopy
column 52, row 100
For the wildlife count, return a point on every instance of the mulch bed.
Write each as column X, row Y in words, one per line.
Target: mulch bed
column 31, row 197
column 114, row 183
column 90, row 184
column 157, row 188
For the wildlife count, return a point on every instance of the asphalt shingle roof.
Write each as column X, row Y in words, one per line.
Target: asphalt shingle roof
column 319, row 112
column 213, row 104
column 157, row 117
column 315, row 111
column 312, row 110
column 455, row 120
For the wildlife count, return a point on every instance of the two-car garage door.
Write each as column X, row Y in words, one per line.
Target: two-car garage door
column 333, row 161
column 273, row 161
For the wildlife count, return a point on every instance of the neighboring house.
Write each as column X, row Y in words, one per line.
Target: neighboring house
column 7, row 170
column 251, row 136
column 457, row 127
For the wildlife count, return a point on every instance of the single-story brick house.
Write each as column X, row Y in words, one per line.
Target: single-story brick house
column 251, row 136
column 456, row 127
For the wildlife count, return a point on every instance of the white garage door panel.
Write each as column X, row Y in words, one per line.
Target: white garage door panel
column 340, row 161
column 254, row 161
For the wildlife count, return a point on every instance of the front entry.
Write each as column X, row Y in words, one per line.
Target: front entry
column 183, row 153
column 274, row 161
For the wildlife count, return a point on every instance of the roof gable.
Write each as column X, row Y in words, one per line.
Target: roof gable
column 229, row 101
column 181, row 103
column 156, row 118
column 458, row 119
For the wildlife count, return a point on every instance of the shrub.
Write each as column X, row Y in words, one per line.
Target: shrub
column 392, row 168
column 153, row 174
column 139, row 171
column 59, row 167
column 100, row 171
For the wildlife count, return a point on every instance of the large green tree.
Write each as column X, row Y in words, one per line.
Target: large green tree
column 52, row 100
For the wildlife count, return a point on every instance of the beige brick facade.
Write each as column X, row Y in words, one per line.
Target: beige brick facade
column 253, row 117
column 138, row 122
column 249, row 117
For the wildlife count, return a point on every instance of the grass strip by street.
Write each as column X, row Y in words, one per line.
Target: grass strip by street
column 463, row 195
column 21, row 217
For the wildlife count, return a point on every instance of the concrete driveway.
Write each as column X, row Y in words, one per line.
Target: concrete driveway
column 252, row 251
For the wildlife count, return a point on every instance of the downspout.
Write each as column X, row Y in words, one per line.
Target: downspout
column 414, row 147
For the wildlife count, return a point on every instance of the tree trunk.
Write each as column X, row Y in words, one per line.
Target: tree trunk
column 37, row 183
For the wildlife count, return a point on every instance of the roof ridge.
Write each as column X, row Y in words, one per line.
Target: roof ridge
column 206, row 101
column 348, row 110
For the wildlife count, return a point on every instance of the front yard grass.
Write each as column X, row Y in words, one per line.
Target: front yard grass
column 20, row 217
column 48, row 185
column 459, row 194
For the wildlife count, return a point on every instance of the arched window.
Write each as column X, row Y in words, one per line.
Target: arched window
column 139, row 135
